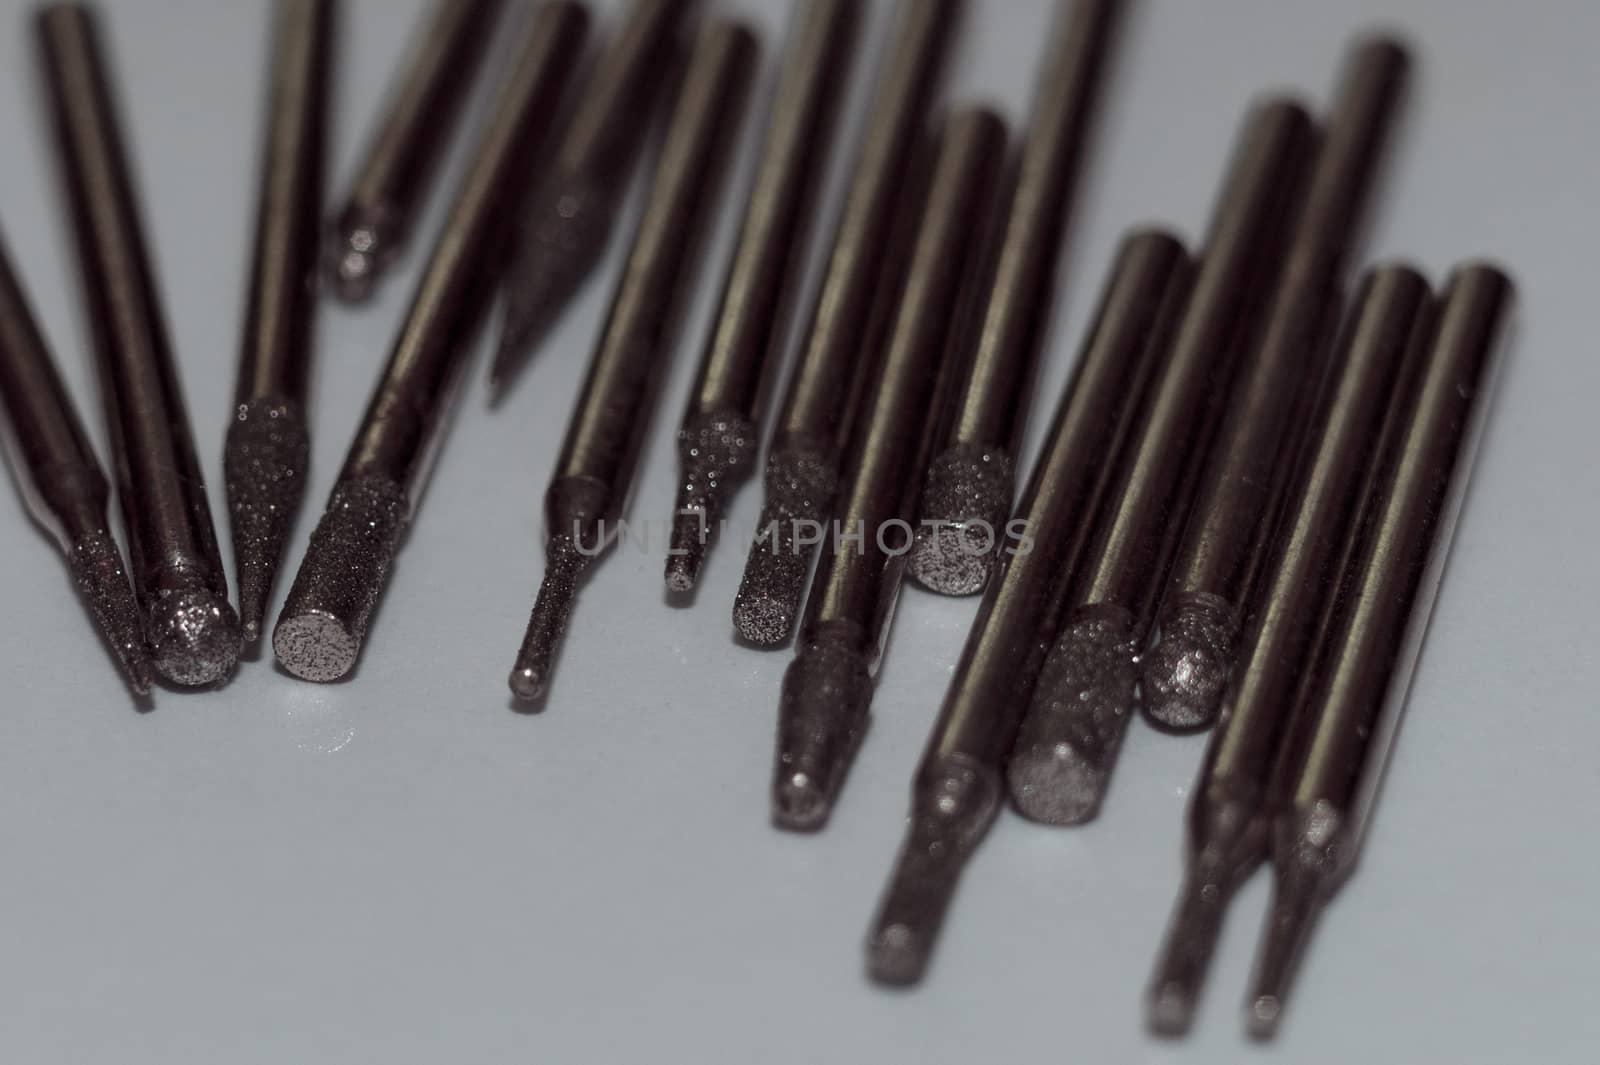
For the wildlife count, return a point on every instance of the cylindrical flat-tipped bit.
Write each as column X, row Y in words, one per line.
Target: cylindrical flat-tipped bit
column 172, row 544
column 599, row 457
column 1241, row 489
column 378, row 216
column 972, row 478
column 265, row 459
column 324, row 621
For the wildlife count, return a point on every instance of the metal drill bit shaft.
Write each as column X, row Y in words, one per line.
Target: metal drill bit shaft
column 1332, row 760
column 971, row 481
column 959, row 784
column 1070, row 738
column 595, row 471
column 386, row 200
column 1226, row 828
column 1241, row 489
column 172, row 545
column 266, row 455
column 718, row 437
column 841, row 351
column 62, row 483
column 828, row 688
column 324, row 620
column 566, row 224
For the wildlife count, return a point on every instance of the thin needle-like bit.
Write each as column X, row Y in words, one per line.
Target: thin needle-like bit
column 384, row 203
column 1241, row 489
column 1226, row 829
column 719, row 436
column 827, row 690
column 841, row 351
column 62, row 483
column 595, row 471
column 324, row 620
column 172, row 544
column 267, row 451
column 1332, row 762
column 1070, row 738
column 564, row 227
column 972, row 479
column 959, row 785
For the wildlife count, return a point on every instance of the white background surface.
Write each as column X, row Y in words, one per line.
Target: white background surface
column 400, row 869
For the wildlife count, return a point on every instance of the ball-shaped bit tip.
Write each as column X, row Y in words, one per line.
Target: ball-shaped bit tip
column 194, row 638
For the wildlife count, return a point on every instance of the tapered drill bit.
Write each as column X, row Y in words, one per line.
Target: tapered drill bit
column 971, row 481
column 841, row 350
column 1241, row 489
column 61, row 481
column 1226, row 837
column 324, row 620
column 1069, row 740
column 1333, row 757
column 719, row 436
column 172, row 544
column 566, row 224
column 959, row 784
column 385, row 201
column 827, row 690
column 267, row 451
column 594, row 473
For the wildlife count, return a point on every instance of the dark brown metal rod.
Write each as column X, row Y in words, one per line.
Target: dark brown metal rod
column 266, row 456
column 1385, row 333
column 595, row 472
column 172, row 544
column 972, row 479
column 1069, row 740
column 959, row 784
column 827, row 690
column 719, row 437
column 386, row 199
column 1332, row 760
column 840, row 354
column 1241, row 489
column 324, row 620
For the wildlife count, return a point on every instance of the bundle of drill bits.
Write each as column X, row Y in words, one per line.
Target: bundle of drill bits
column 1238, row 517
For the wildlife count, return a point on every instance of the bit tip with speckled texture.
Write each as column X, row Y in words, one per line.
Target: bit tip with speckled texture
column 965, row 504
column 715, row 453
column 194, row 637
column 822, row 715
column 102, row 580
column 800, row 488
column 558, row 592
column 1184, row 677
column 264, row 470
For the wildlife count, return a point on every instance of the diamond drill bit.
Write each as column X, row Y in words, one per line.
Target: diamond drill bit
column 267, row 451
column 564, row 227
column 719, row 437
column 598, row 460
column 1069, row 740
column 970, row 483
column 1332, row 760
column 1385, row 332
column 841, row 349
column 320, row 631
column 386, row 199
column 172, row 544
column 1240, row 491
column 959, row 784
column 61, row 482
column 823, row 711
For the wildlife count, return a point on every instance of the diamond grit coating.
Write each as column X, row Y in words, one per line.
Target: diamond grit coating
column 822, row 716
column 968, row 494
column 715, row 451
column 194, row 637
column 102, row 580
column 1185, row 675
column 264, row 465
column 318, row 635
column 799, row 490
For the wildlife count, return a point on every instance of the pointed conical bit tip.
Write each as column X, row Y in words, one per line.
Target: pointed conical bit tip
column 97, row 569
column 800, row 487
column 1184, row 677
column 1069, row 741
column 715, row 453
column 194, row 637
column 965, row 504
column 558, row 591
column 822, row 714
column 264, row 470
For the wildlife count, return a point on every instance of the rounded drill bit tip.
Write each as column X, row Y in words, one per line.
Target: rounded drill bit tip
column 357, row 253
column 800, row 487
column 530, row 676
column 264, row 470
column 194, row 637
column 768, row 601
column 103, row 582
column 683, row 568
column 1191, row 939
column 964, row 508
column 897, row 955
column 821, row 717
column 1185, row 675
column 1170, row 1011
column 715, row 452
